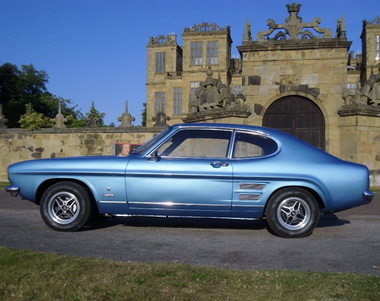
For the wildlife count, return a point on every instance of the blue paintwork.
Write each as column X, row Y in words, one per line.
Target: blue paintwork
column 141, row 184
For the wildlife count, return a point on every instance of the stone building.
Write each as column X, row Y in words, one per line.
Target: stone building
column 295, row 76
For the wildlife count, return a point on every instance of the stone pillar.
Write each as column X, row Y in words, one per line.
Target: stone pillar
column 360, row 137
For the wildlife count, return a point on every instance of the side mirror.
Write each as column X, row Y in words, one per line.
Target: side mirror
column 155, row 156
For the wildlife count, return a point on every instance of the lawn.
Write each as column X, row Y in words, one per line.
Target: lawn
column 29, row 275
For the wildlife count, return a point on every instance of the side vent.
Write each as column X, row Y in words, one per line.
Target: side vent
column 250, row 186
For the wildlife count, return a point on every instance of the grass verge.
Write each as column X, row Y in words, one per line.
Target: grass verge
column 3, row 185
column 28, row 275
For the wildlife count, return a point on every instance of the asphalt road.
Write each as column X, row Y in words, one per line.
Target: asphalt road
column 348, row 241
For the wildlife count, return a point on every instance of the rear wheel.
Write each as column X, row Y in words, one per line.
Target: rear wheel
column 65, row 206
column 292, row 212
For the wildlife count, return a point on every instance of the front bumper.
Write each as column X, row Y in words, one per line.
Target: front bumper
column 368, row 196
column 13, row 190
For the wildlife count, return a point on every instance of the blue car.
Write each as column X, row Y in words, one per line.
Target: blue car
column 198, row 170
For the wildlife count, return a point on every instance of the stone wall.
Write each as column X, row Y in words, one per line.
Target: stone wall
column 360, row 142
column 19, row 145
column 360, row 138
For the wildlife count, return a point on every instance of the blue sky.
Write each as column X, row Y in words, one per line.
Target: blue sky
column 95, row 50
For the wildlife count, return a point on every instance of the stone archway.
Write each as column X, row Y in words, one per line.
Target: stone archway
column 299, row 117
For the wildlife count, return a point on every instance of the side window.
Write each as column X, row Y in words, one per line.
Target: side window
column 250, row 145
column 197, row 144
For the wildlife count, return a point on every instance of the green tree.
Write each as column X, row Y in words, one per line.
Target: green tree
column 143, row 115
column 11, row 92
column 32, row 120
column 28, row 86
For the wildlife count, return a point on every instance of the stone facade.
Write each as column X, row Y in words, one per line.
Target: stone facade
column 295, row 76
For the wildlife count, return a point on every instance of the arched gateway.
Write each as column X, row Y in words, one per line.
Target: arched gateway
column 299, row 117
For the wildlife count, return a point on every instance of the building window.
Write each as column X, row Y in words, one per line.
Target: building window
column 160, row 62
column 212, row 53
column 177, row 106
column 196, row 53
column 377, row 48
column 160, row 102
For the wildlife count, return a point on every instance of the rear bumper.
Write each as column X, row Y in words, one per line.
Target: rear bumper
column 13, row 190
column 368, row 196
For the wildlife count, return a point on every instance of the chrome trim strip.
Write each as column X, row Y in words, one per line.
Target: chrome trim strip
column 253, row 206
column 194, row 217
column 112, row 202
column 178, row 204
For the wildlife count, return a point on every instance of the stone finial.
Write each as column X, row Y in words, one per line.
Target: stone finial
column 92, row 119
column 247, row 32
column 3, row 121
column 341, row 29
column 126, row 118
column 161, row 119
column 59, row 118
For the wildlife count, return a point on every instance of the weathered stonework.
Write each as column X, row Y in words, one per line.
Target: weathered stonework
column 19, row 145
column 294, row 62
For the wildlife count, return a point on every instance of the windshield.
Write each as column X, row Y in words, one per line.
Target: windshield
column 143, row 148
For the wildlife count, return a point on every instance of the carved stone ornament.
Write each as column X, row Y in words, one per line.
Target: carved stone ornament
column 126, row 119
column 92, row 120
column 162, row 40
column 206, row 27
column 293, row 27
column 364, row 101
column 59, row 119
column 161, row 119
column 213, row 99
column 369, row 94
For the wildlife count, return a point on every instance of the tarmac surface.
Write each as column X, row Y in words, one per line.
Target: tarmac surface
column 344, row 242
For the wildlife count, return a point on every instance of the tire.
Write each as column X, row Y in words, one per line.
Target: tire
column 292, row 212
column 65, row 206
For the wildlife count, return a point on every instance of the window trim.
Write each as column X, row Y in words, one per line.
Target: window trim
column 258, row 134
column 212, row 53
column 160, row 66
column 227, row 157
column 196, row 53
column 230, row 148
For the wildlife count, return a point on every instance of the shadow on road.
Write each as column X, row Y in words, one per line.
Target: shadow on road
column 331, row 220
column 328, row 220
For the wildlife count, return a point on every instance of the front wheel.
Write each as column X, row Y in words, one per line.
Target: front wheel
column 65, row 206
column 292, row 212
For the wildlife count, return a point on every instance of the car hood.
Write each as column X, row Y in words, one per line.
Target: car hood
column 70, row 164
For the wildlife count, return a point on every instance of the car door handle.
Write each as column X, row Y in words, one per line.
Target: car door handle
column 218, row 164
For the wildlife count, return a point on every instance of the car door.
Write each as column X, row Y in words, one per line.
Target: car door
column 187, row 175
column 253, row 171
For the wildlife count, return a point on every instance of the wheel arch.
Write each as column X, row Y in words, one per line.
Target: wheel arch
column 47, row 183
column 312, row 191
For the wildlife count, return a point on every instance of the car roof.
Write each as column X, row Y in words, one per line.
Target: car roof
column 229, row 126
column 292, row 143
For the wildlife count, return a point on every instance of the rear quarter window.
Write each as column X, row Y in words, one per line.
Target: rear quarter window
column 249, row 145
